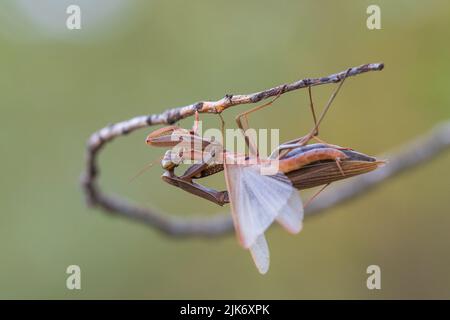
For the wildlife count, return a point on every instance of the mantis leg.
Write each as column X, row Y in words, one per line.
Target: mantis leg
column 313, row 134
column 311, row 106
column 315, row 195
column 193, row 171
column 196, row 121
column 243, row 115
column 217, row 197
column 315, row 130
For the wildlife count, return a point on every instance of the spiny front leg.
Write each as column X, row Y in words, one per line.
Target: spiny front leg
column 217, row 197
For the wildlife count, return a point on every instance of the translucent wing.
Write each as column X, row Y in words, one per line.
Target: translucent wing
column 257, row 200
column 291, row 216
column 260, row 254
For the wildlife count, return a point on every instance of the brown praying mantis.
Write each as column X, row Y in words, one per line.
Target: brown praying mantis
column 306, row 166
column 257, row 200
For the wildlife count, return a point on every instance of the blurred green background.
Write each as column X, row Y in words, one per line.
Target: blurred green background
column 141, row 57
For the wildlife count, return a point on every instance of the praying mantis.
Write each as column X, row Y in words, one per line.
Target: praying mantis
column 257, row 200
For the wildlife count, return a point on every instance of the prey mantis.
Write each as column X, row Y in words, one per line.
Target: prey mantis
column 257, row 200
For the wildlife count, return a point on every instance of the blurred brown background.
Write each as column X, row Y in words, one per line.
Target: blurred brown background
column 140, row 57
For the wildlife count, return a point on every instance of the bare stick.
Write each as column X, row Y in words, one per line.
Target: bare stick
column 170, row 224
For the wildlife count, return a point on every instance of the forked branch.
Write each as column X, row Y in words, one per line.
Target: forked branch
column 410, row 156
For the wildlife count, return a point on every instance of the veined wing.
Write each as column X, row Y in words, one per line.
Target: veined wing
column 257, row 200
column 260, row 254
